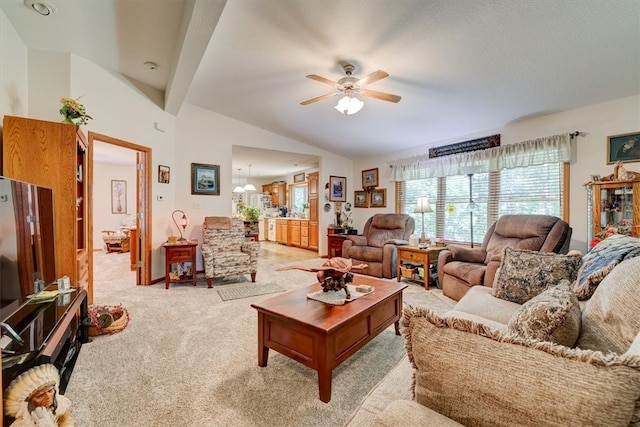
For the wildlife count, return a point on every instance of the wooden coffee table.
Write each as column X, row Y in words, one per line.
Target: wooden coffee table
column 322, row 336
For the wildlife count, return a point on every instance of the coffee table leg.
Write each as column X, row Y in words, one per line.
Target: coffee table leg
column 324, row 384
column 263, row 351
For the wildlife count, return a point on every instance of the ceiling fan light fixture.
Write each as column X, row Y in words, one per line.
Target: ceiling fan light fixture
column 349, row 105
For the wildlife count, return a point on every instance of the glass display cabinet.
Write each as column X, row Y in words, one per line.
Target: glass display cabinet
column 611, row 202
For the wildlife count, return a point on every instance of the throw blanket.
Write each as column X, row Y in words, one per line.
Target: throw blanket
column 601, row 260
column 217, row 222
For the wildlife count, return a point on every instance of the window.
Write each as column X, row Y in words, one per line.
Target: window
column 526, row 190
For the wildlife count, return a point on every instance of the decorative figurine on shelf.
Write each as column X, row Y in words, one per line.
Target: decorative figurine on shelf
column 334, row 275
column 33, row 399
column 619, row 172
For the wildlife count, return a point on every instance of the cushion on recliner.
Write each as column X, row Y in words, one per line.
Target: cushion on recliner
column 366, row 253
column 473, row 274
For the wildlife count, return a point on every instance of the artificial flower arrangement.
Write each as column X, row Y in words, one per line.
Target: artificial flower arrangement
column 624, row 228
column 72, row 109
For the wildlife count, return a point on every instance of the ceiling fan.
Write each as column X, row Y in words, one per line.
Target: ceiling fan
column 350, row 86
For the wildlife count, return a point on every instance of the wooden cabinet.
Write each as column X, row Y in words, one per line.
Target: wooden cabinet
column 54, row 155
column 294, row 232
column 304, row 234
column 334, row 242
column 613, row 202
column 281, row 231
column 278, row 191
column 313, row 211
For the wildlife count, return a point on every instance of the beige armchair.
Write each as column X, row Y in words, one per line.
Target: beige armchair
column 225, row 251
column 460, row 268
column 377, row 244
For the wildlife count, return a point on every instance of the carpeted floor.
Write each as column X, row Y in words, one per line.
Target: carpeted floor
column 187, row 358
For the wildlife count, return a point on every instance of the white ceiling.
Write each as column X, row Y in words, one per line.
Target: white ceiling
column 461, row 67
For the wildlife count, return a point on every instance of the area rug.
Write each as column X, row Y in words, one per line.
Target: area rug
column 250, row 290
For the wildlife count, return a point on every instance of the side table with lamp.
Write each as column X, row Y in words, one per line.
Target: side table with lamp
column 180, row 255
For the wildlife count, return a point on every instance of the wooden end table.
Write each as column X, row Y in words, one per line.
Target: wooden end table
column 179, row 254
column 335, row 244
column 426, row 257
column 322, row 336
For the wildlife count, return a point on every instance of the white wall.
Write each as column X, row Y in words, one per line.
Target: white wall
column 103, row 216
column 13, row 71
column 596, row 121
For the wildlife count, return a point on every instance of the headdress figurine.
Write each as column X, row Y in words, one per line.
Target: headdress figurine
column 33, row 399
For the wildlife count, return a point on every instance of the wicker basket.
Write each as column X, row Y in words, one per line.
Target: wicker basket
column 120, row 320
column 408, row 272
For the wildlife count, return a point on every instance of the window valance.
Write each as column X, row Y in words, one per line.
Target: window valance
column 552, row 149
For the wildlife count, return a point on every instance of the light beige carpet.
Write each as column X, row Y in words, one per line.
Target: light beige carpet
column 187, row 358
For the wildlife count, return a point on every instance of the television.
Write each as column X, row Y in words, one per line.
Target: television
column 27, row 252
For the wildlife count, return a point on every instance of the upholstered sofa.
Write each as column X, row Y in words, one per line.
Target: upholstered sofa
column 551, row 361
column 377, row 246
column 460, row 268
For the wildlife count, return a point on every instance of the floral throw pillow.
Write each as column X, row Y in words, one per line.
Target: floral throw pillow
column 523, row 274
column 554, row 315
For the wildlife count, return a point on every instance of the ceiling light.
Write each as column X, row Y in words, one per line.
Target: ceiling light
column 239, row 188
column 151, row 65
column 44, row 8
column 349, row 105
column 249, row 186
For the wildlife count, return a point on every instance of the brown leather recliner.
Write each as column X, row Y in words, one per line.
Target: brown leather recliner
column 377, row 244
column 460, row 268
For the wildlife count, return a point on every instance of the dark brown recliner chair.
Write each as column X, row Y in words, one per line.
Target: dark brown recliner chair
column 377, row 244
column 460, row 268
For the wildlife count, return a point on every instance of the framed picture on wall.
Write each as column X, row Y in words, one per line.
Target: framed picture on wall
column 163, row 174
column 624, row 147
column 337, row 189
column 378, row 198
column 298, row 177
column 205, row 179
column 118, row 196
column 370, row 178
column 361, row 199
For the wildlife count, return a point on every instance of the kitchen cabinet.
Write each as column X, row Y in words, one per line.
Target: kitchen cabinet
column 313, row 211
column 282, row 231
column 294, row 232
column 278, row 192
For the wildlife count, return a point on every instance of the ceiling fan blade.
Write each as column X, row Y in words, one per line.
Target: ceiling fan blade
column 373, row 77
column 318, row 98
column 380, row 95
column 322, row 80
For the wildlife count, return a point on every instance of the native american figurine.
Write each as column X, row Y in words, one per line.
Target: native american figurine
column 334, row 274
column 33, row 399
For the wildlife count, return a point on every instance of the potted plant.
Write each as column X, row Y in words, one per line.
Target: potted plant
column 251, row 214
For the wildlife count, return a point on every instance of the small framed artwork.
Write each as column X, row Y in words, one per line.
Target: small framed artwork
column 596, row 178
column 337, row 189
column 163, row 174
column 361, row 199
column 205, row 179
column 378, row 198
column 624, row 147
column 298, row 177
column 370, row 178
column 118, row 196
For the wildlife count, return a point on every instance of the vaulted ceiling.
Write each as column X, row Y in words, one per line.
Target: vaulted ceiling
column 461, row 67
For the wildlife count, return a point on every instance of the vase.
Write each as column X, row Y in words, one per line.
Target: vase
column 68, row 121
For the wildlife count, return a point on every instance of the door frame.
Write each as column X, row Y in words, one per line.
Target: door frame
column 143, row 202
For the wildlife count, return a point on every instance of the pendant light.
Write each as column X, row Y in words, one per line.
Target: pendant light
column 239, row 188
column 249, row 186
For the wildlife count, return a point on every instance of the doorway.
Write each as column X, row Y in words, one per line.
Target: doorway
column 137, row 216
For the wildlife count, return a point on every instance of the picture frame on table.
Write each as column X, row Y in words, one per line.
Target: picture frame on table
column 164, row 174
column 361, row 199
column 337, row 189
column 300, row 177
column 370, row 178
column 596, row 178
column 378, row 198
column 205, row 179
column 624, row 147
column 118, row 196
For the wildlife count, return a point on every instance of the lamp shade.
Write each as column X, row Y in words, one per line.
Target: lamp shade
column 423, row 206
column 349, row 105
column 238, row 189
column 249, row 187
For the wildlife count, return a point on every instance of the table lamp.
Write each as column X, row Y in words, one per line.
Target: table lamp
column 183, row 222
column 422, row 207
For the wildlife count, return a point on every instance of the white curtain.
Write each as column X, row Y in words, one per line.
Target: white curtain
column 552, row 149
